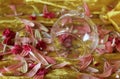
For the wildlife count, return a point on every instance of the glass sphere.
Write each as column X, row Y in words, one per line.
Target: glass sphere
column 74, row 34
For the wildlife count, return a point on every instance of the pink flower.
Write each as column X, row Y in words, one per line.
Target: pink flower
column 8, row 33
column 17, row 49
column 41, row 45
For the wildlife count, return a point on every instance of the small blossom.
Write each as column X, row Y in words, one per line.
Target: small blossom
column 17, row 49
column 41, row 45
column 8, row 41
column 26, row 48
column 33, row 17
column 8, row 33
column 49, row 15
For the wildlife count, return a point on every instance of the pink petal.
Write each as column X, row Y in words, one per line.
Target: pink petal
column 27, row 22
column 11, row 68
column 102, row 32
column 39, row 56
column 86, row 76
column 83, row 29
column 105, row 74
column 61, row 65
column 38, row 77
column 13, row 8
column 5, row 53
column 66, row 20
column 25, row 40
column 45, row 9
column 23, row 68
column 109, row 47
column 108, row 69
column 100, row 51
column 85, row 61
column 33, row 71
column 87, row 10
column 50, row 60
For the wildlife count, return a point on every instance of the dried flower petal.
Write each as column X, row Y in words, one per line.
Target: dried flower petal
column 7, row 33
column 8, row 41
column 33, row 71
column 17, row 49
column 61, row 65
column 107, row 70
column 26, row 48
column 42, row 71
column 85, row 61
column 50, row 60
column 33, row 17
column 41, row 45
column 109, row 47
column 66, row 40
column 47, row 14
column 87, row 11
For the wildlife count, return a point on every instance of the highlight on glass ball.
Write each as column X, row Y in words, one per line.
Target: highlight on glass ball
column 74, row 34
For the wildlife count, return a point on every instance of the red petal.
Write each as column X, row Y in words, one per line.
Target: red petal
column 41, row 45
column 17, row 49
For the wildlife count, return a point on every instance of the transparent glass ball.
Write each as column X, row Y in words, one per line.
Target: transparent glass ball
column 74, row 34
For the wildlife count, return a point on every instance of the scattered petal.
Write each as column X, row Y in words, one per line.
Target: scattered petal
column 41, row 45
column 61, row 65
column 17, row 49
column 33, row 71
column 50, row 60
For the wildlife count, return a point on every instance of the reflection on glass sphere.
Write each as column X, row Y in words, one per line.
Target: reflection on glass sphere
column 74, row 34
